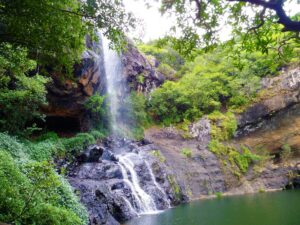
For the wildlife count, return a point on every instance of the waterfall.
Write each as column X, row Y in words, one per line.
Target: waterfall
column 142, row 202
column 157, row 185
column 116, row 83
column 147, row 204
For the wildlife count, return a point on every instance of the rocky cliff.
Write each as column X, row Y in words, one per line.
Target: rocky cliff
column 273, row 119
column 66, row 96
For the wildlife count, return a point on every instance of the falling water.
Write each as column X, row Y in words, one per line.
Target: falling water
column 116, row 83
column 116, row 91
column 147, row 204
column 156, row 184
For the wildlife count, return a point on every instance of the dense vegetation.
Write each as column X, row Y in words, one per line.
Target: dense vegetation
column 214, row 81
column 31, row 191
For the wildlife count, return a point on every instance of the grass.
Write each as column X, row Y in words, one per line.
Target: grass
column 187, row 152
column 158, row 155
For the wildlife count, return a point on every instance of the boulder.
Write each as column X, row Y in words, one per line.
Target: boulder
column 92, row 154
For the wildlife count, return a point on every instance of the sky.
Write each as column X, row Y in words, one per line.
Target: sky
column 154, row 25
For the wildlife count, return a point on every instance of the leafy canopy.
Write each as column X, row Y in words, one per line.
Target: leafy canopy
column 256, row 21
column 54, row 31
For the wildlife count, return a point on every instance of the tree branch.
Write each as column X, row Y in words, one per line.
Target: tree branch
column 277, row 6
column 261, row 17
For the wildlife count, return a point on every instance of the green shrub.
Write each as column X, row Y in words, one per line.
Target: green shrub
column 163, row 54
column 223, row 126
column 95, row 103
column 140, row 78
column 219, row 195
column 167, row 71
column 48, row 136
column 238, row 159
column 46, row 214
column 30, row 195
column 133, row 111
column 12, row 145
column 187, row 152
column 44, row 150
column 98, row 135
column 286, row 152
column 211, row 82
column 69, row 200
column 98, row 109
column 174, row 186
column 20, row 95
column 14, row 189
column 78, row 143
column 217, row 147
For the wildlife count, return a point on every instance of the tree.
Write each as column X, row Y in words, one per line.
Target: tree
column 54, row 31
column 201, row 20
column 20, row 94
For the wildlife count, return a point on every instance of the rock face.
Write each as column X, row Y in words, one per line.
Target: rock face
column 92, row 154
column 141, row 74
column 106, row 179
column 200, row 175
column 275, row 119
column 66, row 97
column 201, row 131
column 106, row 176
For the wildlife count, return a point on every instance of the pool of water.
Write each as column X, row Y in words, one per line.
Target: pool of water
column 276, row 208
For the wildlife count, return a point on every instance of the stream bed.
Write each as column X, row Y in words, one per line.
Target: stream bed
column 273, row 208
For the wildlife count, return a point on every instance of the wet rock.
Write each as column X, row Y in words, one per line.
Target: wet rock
column 99, row 171
column 92, row 154
column 109, row 192
column 280, row 93
column 66, row 97
column 197, row 176
column 104, row 207
column 110, row 156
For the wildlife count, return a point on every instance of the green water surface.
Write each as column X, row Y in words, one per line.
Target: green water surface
column 276, row 208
